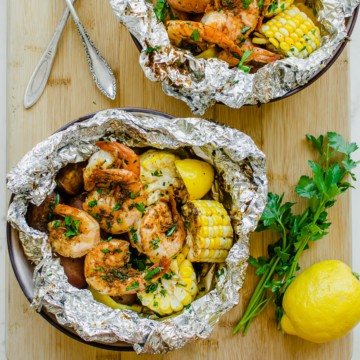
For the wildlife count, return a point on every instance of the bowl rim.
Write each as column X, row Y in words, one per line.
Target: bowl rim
column 349, row 23
column 17, row 273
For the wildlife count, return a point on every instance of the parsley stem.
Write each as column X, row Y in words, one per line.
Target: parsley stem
column 256, row 301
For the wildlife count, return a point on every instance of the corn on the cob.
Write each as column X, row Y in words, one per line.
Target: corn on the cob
column 210, row 234
column 277, row 6
column 173, row 291
column 291, row 33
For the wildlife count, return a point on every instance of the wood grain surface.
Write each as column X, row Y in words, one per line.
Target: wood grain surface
column 278, row 129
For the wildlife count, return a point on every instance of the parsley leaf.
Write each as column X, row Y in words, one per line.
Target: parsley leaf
column 277, row 270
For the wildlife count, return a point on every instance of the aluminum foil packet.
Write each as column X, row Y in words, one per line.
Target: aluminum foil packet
column 242, row 187
column 201, row 83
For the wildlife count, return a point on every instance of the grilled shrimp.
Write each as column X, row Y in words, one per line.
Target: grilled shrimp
column 190, row 6
column 107, row 270
column 112, row 155
column 74, row 236
column 182, row 32
column 161, row 232
column 234, row 20
column 119, row 208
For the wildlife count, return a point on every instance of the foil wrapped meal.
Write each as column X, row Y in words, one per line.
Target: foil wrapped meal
column 241, row 176
column 201, row 83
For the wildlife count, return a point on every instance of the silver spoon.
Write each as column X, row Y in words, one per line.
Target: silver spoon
column 101, row 71
column 40, row 76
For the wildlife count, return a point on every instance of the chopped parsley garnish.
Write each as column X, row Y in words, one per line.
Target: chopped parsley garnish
column 155, row 303
column 163, row 292
column 151, row 273
column 105, row 251
column 187, row 306
column 168, row 276
column 57, row 199
column 244, row 57
column 272, row 8
column 220, row 272
column 152, row 49
column 140, row 207
column 92, row 203
column 245, row 29
column 119, row 221
column 119, row 274
column 72, row 226
column 152, row 288
column 118, row 251
column 154, row 243
column 134, row 195
column 133, row 286
column 160, row 9
column 99, row 191
column 105, row 277
column 187, row 224
column 134, row 236
column 57, row 223
column 157, row 173
column 195, row 35
column 246, row 3
column 109, row 239
column 116, row 207
column 171, row 231
column 99, row 269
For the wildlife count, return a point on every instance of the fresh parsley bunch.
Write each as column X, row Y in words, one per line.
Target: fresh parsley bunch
column 278, row 269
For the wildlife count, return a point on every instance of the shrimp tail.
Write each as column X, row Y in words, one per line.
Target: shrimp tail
column 128, row 159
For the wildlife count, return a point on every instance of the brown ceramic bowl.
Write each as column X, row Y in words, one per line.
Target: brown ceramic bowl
column 23, row 269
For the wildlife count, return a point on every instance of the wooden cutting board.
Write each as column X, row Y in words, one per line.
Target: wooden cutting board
column 278, row 129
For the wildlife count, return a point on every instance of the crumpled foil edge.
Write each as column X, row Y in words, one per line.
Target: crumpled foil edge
column 239, row 163
column 201, row 83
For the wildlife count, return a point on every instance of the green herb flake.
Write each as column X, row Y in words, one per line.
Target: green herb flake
column 105, row 251
column 133, row 286
column 152, row 49
column 72, row 226
column 92, row 203
column 296, row 232
column 154, row 243
column 160, row 9
column 244, row 57
column 157, row 173
column 141, row 207
column 195, row 35
column 151, row 273
column 57, row 223
column 134, row 195
column 117, row 207
column 171, row 230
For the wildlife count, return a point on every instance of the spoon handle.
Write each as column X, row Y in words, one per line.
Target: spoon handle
column 101, row 71
column 40, row 76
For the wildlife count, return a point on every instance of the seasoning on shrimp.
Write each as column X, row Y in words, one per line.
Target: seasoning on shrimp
column 76, row 234
column 108, row 271
column 161, row 231
column 115, row 171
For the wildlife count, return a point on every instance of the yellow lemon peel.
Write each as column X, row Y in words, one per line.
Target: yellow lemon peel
column 323, row 302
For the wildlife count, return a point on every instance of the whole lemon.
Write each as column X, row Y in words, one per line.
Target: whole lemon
column 322, row 303
column 197, row 175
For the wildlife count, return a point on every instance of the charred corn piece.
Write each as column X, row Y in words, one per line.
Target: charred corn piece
column 278, row 6
column 292, row 33
column 210, row 234
column 174, row 290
